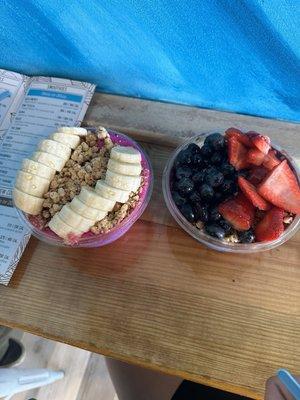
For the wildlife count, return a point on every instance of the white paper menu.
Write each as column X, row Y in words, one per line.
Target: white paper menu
column 30, row 109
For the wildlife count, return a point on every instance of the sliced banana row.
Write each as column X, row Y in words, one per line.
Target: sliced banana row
column 33, row 180
column 92, row 205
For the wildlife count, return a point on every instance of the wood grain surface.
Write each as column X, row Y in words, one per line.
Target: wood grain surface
column 156, row 297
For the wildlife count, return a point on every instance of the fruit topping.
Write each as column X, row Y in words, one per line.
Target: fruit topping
column 246, row 236
column 281, row 188
column 239, row 136
column 215, row 230
column 185, row 186
column 271, row 226
column 257, row 174
column 262, row 143
column 237, row 154
column 215, row 141
column 239, row 212
column 188, row 212
column 255, row 157
column 250, row 192
column 271, row 161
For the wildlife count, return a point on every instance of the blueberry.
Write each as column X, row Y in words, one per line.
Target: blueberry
column 218, row 197
column 217, row 158
column 227, row 169
column 215, row 179
column 193, row 148
column 214, row 214
column 188, row 212
column 199, row 176
column 197, row 160
column 185, row 186
column 183, row 158
column 183, row 172
column 195, row 198
column 246, row 236
column 178, row 200
column 215, row 141
column 228, row 187
column 201, row 213
column 226, row 226
column 206, row 151
column 206, row 192
column 215, row 231
column 211, row 170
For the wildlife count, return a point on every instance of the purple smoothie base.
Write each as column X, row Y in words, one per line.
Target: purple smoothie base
column 91, row 240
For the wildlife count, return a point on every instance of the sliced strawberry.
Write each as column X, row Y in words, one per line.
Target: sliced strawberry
column 237, row 154
column 251, row 193
column 257, row 174
column 262, row 143
column 271, row 226
column 271, row 161
column 239, row 212
column 236, row 133
column 255, row 156
column 281, row 188
column 252, row 134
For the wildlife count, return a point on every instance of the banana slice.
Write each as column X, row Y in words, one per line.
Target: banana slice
column 56, row 148
column 111, row 193
column 124, row 182
column 66, row 139
column 87, row 211
column 126, row 154
column 36, row 168
column 48, row 159
column 74, row 130
column 26, row 202
column 32, row 184
column 76, row 221
column 124, row 168
column 58, row 226
column 90, row 198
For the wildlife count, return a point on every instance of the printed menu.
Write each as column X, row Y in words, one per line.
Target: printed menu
column 30, row 109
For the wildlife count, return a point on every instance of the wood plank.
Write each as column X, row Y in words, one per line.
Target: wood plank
column 156, row 297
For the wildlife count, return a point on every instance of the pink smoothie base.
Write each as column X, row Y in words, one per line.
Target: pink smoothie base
column 89, row 239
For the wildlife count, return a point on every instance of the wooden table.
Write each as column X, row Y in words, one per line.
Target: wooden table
column 156, row 297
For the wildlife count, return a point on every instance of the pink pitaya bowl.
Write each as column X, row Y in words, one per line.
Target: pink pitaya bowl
column 89, row 239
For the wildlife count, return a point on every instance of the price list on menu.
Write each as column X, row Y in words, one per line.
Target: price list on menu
column 47, row 104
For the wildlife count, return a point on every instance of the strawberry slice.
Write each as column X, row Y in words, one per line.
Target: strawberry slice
column 261, row 142
column 257, row 174
column 271, row 226
column 255, row 157
column 237, row 154
column 239, row 136
column 271, row 161
column 239, row 212
column 251, row 193
column 281, row 188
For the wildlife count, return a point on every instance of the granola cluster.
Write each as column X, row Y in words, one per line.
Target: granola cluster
column 87, row 164
column 117, row 215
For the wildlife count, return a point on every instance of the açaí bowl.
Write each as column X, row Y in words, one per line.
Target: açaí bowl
column 89, row 239
column 201, row 236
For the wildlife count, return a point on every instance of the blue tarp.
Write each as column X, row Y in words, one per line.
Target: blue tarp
column 237, row 55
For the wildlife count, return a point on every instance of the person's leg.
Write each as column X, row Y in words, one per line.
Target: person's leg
column 135, row 383
column 11, row 349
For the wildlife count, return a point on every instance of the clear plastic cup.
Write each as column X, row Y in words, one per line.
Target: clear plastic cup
column 89, row 239
column 208, row 240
